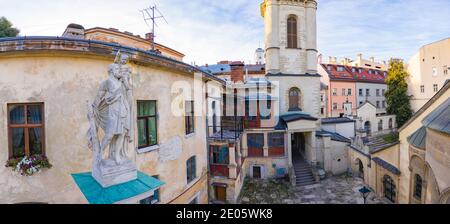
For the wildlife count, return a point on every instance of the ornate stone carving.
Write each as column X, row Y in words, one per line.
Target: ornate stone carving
column 112, row 112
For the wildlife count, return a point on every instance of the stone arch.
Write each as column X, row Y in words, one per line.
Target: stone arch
column 294, row 98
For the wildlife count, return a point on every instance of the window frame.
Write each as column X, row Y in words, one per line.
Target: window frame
column 292, row 32
column 189, row 119
column 26, row 128
column 191, row 169
column 147, row 118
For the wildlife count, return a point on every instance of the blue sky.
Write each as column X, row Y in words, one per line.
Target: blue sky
column 208, row 31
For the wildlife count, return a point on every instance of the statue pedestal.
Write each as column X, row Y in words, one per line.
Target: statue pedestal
column 108, row 173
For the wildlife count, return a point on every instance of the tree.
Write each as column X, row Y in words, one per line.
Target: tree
column 6, row 29
column 396, row 95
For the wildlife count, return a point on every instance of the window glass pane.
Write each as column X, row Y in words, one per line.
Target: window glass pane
column 152, row 131
column 276, row 140
column 255, row 140
column 141, row 133
column 147, row 108
column 16, row 114
column 34, row 114
column 18, row 142
column 35, row 138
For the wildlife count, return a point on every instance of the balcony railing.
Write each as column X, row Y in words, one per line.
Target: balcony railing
column 230, row 128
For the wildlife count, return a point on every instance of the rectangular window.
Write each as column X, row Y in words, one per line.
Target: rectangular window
column 360, row 92
column 335, row 106
column 422, row 88
column 147, row 123
column 220, row 155
column 26, row 129
column 191, row 171
column 255, row 140
column 435, row 87
column 334, row 92
column 189, row 117
column 276, row 139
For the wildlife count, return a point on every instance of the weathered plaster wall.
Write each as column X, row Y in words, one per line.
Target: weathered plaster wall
column 65, row 83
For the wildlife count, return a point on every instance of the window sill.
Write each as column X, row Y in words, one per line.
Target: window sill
column 189, row 135
column 148, row 149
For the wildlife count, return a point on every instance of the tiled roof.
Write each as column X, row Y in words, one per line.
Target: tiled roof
column 352, row 74
column 391, row 168
column 336, row 120
column 439, row 119
column 418, row 138
column 334, row 136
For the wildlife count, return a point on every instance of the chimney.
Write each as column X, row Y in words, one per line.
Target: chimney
column 149, row 36
column 237, row 71
column 359, row 57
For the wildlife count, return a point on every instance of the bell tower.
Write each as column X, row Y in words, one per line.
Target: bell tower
column 290, row 36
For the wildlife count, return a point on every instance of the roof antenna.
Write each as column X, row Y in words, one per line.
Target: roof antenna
column 152, row 14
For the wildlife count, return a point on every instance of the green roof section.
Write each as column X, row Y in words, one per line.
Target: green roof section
column 96, row 194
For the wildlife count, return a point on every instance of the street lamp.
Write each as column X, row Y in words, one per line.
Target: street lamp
column 364, row 193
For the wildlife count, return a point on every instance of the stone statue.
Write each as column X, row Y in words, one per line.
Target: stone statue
column 112, row 112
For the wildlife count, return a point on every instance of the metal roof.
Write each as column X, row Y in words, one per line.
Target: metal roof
column 391, row 168
column 418, row 138
column 335, row 120
column 439, row 119
column 334, row 136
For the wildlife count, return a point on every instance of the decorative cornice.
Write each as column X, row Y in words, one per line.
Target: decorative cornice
column 35, row 45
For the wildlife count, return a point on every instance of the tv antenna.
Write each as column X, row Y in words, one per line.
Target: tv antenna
column 151, row 14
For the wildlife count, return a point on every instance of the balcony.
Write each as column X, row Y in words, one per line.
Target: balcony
column 230, row 129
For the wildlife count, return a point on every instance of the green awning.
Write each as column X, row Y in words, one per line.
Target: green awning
column 96, row 194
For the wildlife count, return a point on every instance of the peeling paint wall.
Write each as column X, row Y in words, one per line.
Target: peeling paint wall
column 64, row 83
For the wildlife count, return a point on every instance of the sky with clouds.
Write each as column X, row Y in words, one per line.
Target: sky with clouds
column 208, row 31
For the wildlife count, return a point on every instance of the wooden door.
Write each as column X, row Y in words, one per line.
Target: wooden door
column 221, row 193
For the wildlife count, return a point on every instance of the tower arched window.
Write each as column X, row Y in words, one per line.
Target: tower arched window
column 389, row 188
column 292, row 32
column 418, row 187
column 294, row 99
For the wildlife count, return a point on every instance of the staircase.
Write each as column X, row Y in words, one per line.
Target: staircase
column 303, row 173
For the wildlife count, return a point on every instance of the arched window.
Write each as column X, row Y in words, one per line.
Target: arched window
column 390, row 123
column 389, row 188
column 367, row 127
column 294, row 99
column 380, row 125
column 292, row 32
column 418, row 187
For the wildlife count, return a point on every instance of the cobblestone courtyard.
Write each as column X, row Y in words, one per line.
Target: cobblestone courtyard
column 333, row 190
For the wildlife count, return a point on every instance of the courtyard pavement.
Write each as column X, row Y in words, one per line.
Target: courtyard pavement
column 333, row 190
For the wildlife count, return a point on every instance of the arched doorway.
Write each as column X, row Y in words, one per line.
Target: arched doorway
column 389, row 188
column 368, row 127
column 360, row 167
